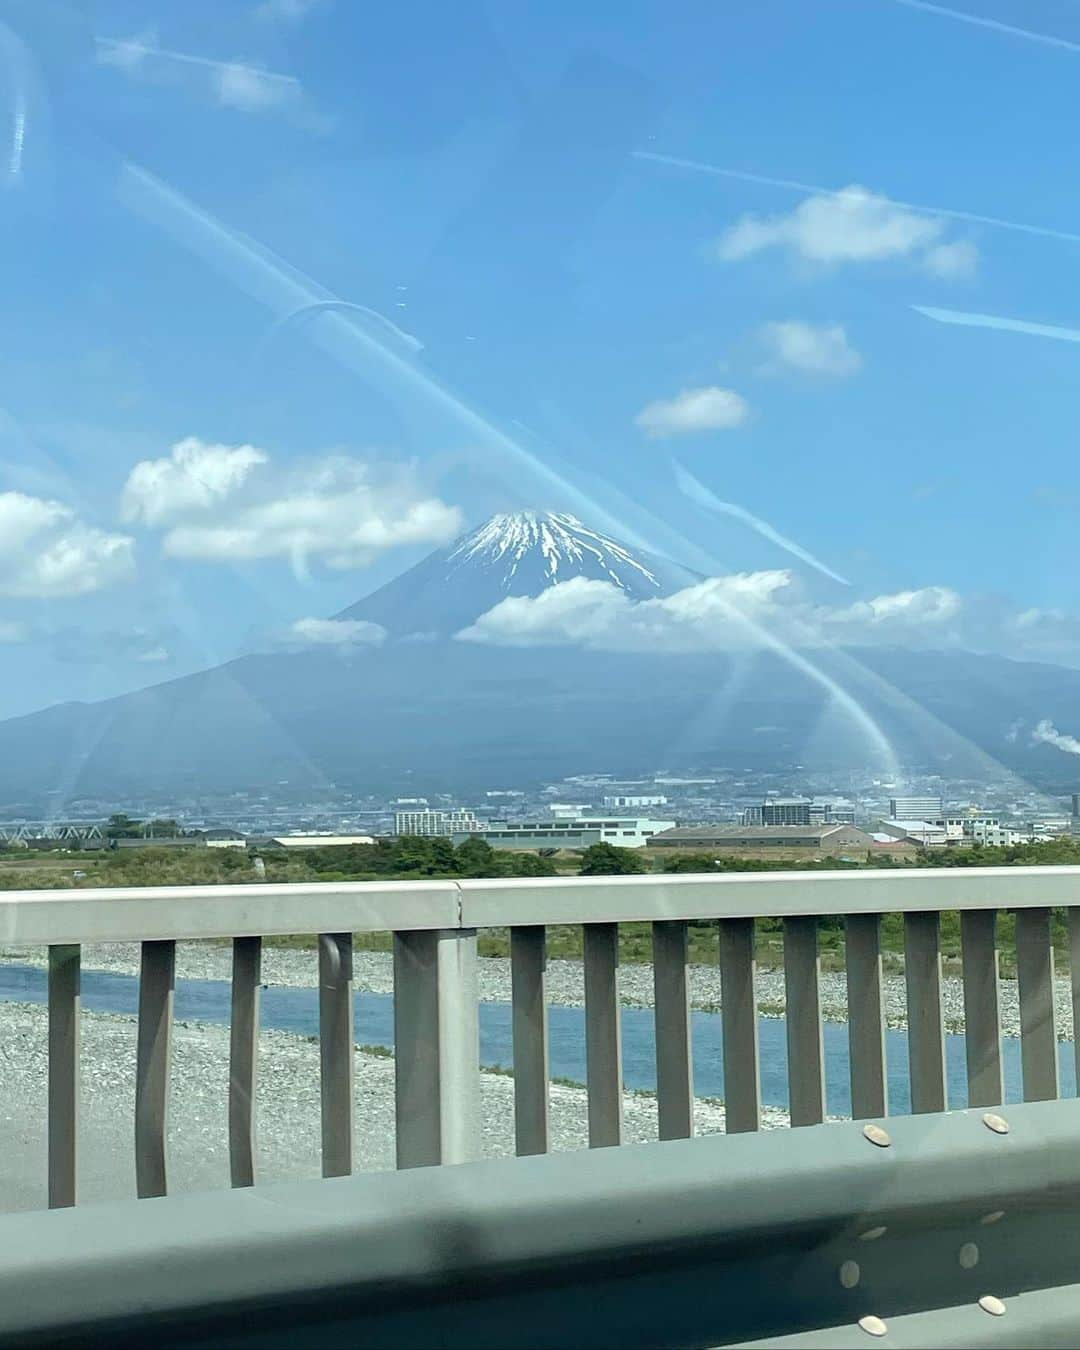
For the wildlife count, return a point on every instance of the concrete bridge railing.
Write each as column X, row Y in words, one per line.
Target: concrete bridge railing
column 435, row 927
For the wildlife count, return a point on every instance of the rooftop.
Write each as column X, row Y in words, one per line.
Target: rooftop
column 706, row 832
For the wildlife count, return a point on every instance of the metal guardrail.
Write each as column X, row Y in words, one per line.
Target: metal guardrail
column 435, row 986
column 956, row 1232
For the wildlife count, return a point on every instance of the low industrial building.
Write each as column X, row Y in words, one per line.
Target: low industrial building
column 568, row 832
column 321, row 840
column 921, row 832
column 767, row 841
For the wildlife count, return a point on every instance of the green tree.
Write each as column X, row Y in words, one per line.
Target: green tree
column 529, row 865
column 474, row 857
column 693, row 862
column 605, row 860
column 161, row 829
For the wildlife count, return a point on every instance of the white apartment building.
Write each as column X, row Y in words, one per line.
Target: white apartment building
column 986, row 830
column 427, row 822
column 916, row 808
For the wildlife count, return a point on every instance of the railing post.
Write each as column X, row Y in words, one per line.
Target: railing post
column 982, row 1010
column 157, row 979
column 63, row 1127
column 336, row 1052
column 926, row 1030
column 243, row 1058
column 436, row 1046
column 805, row 1036
column 1074, row 975
column 674, row 1057
column 738, row 1001
column 1035, row 987
column 866, row 1016
column 529, row 1014
column 603, row 1034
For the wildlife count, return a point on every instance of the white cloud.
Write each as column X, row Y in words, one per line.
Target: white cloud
column 598, row 614
column 196, row 476
column 1046, row 733
column 337, row 633
column 958, row 259
column 11, row 631
column 726, row 613
column 708, row 409
column 153, row 655
column 933, row 606
column 46, row 551
column 220, row 503
column 812, row 349
column 853, row 225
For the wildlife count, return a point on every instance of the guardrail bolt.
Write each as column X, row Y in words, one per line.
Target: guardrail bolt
column 994, row 1306
column 877, row 1135
column 872, row 1234
column 968, row 1256
column 850, row 1274
column 873, row 1326
column 996, row 1123
column 995, row 1216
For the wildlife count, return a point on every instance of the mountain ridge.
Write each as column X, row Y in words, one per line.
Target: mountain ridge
column 456, row 716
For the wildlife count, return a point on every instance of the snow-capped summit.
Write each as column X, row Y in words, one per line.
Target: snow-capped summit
column 559, row 543
column 518, row 553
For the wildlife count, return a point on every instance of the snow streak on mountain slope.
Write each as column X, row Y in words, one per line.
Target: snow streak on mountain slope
column 562, row 542
column 518, row 554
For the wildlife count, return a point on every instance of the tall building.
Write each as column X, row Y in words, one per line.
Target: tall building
column 426, row 822
column 916, row 808
column 779, row 811
column 1076, row 804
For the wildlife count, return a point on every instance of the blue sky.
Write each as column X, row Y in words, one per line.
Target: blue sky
column 178, row 179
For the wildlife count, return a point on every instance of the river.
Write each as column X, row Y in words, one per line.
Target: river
column 296, row 1010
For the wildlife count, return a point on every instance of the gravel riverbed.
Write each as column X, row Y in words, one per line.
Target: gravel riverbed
column 374, row 972
column 287, row 1105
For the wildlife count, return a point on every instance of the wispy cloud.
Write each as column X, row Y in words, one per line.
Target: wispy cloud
column 794, row 185
column 698, row 492
column 995, row 25
column 338, row 633
column 287, row 11
column 234, row 84
column 998, row 321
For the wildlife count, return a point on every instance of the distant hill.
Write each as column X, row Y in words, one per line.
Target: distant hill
column 432, row 713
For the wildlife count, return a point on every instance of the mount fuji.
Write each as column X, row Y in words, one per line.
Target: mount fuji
column 422, row 711
column 519, row 554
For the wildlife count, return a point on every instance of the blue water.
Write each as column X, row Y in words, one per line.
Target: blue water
column 297, row 1010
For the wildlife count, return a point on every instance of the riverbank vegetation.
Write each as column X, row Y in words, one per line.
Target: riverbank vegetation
column 417, row 858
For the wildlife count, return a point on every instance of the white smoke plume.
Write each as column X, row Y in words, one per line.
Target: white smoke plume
column 1048, row 734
